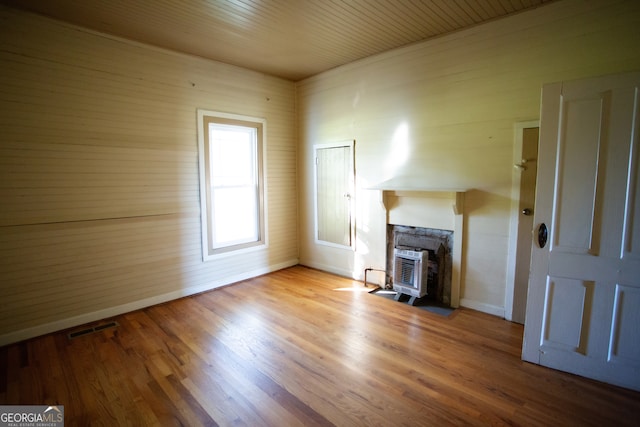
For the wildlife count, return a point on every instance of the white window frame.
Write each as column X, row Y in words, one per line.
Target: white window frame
column 210, row 250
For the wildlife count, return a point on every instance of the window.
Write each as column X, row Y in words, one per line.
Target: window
column 334, row 194
column 231, row 182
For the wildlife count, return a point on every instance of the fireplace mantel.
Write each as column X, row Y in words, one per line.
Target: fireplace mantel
column 407, row 183
column 410, row 187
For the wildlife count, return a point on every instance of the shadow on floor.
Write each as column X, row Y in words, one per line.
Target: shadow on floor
column 423, row 303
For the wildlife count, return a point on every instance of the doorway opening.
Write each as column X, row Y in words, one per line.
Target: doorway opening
column 525, row 154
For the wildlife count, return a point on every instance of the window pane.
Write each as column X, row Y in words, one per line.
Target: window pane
column 232, row 155
column 235, row 216
column 233, row 181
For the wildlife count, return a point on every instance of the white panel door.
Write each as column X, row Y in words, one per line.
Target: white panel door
column 583, row 307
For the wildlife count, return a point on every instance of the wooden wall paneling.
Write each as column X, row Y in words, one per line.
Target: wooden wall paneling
column 99, row 173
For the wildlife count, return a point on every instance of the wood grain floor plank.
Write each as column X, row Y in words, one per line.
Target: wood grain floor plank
column 300, row 347
column 244, row 334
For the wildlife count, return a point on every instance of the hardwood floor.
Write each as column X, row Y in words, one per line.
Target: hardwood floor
column 302, row 347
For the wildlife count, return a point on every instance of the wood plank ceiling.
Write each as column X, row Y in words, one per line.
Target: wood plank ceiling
column 292, row 39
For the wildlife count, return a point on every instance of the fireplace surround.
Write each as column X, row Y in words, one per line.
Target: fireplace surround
column 439, row 246
column 407, row 201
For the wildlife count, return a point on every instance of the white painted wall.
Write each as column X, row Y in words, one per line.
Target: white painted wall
column 99, row 210
column 443, row 112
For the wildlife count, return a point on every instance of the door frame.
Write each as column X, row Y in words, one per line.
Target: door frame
column 514, row 218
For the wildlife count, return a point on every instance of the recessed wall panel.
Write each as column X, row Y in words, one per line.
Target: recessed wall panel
column 632, row 215
column 568, row 304
column 578, row 163
column 625, row 331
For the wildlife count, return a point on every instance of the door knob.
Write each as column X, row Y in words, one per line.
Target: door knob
column 543, row 234
column 527, row 211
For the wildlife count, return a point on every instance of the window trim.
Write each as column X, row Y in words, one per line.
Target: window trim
column 204, row 118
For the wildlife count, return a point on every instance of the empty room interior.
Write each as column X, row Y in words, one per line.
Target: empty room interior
column 327, row 212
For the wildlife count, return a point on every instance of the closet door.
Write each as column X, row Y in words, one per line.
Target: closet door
column 334, row 194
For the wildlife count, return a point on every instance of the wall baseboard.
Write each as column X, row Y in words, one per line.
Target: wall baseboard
column 82, row 319
column 333, row 270
column 480, row 306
